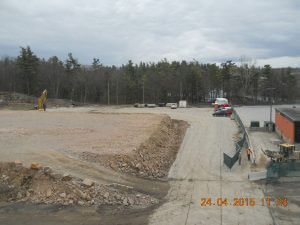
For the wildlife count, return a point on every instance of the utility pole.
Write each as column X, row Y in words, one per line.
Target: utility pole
column 143, row 91
column 180, row 90
column 270, row 99
column 270, row 115
column 117, row 90
column 108, row 100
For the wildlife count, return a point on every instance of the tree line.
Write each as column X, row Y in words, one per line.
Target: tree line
column 129, row 83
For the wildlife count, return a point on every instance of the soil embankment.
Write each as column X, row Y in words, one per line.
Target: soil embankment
column 153, row 158
column 45, row 194
column 42, row 185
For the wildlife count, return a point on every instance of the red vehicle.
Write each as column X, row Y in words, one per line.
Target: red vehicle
column 224, row 106
column 228, row 111
column 220, row 102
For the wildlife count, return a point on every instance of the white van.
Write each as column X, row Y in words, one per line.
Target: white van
column 221, row 101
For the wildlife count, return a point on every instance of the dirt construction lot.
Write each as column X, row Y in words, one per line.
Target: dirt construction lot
column 21, row 132
column 198, row 171
column 106, row 138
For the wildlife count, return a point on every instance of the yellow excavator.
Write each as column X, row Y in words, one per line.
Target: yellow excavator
column 287, row 152
column 42, row 101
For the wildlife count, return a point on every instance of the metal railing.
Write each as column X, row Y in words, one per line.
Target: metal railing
column 230, row 161
column 246, row 135
column 244, row 142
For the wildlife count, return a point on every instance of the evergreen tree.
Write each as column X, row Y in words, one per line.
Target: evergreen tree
column 28, row 63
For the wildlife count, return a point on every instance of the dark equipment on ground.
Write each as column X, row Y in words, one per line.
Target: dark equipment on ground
column 270, row 126
column 254, row 124
column 286, row 153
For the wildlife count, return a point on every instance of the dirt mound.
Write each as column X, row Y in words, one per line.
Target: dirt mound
column 42, row 185
column 154, row 157
column 16, row 98
column 22, row 101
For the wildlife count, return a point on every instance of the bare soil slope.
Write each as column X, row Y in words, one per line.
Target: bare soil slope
column 143, row 144
column 152, row 158
column 18, row 183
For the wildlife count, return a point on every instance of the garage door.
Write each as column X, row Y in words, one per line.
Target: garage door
column 297, row 132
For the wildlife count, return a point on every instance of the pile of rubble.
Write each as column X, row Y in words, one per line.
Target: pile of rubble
column 152, row 159
column 39, row 184
column 9, row 97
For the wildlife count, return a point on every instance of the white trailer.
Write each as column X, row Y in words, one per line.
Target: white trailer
column 182, row 104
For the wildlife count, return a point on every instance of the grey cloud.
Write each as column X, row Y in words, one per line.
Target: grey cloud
column 149, row 30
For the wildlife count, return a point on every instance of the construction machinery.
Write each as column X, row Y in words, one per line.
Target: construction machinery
column 42, row 101
column 286, row 149
column 286, row 153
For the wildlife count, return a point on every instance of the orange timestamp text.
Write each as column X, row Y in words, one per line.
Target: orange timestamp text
column 244, row 201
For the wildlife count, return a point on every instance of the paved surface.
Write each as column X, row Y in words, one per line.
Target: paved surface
column 259, row 113
column 289, row 188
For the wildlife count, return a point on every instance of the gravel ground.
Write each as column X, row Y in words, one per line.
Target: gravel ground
column 41, row 185
column 77, row 132
column 198, row 172
column 54, row 138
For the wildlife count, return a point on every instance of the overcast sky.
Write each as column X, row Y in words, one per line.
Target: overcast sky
column 115, row 31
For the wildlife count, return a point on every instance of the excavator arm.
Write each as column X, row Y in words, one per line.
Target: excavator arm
column 42, row 101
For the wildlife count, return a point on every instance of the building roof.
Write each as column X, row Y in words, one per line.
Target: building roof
column 291, row 113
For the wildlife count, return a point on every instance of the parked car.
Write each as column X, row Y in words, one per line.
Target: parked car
column 223, row 112
column 174, row 106
column 220, row 102
column 228, row 111
column 151, row 105
column 219, row 112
